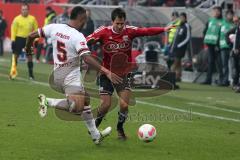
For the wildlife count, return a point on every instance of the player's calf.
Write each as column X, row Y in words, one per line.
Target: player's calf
column 122, row 116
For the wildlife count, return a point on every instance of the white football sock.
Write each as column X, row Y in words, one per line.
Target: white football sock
column 59, row 103
column 87, row 116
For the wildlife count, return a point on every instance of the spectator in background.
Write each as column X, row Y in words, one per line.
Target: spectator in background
column 22, row 26
column 62, row 18
column 211, row 39
column 225, row 49
column 88, row 29
column 233, row 38
column 179, row 46
column 175, row 21
column 3, row 26
column 89, row 25
column 235, row 20
column 50, row 17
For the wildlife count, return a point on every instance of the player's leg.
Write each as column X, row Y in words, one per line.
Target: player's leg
column 124, row 93
column 75, row 91
column 124, row 98
column 22, row 43
column 103, row 109
column 30, row 67
column 45, row 103
column 106, row 90
column 86, row 113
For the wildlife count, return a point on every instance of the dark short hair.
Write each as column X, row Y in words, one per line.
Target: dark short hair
column 26, row 4
column 77, row 11
column 184, row 15
column 175, row 13
column 118, row 12
column 219, row 9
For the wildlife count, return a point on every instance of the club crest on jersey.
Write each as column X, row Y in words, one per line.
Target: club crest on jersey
column 125, row 38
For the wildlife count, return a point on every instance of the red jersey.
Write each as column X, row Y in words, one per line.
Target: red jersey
column 117, row 47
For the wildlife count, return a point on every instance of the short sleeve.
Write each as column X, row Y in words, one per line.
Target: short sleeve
column 46, row 30
column 81, row 45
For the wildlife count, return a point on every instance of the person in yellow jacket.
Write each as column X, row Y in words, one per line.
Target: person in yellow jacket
column 50, row 16
column 175, row 21
column 21, row 27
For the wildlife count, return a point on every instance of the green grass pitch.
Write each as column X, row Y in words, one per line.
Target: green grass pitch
column 194, row 123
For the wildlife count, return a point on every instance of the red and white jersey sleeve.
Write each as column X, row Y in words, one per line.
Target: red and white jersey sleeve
column 81, row 45
column 138, row 32
column 97, row 35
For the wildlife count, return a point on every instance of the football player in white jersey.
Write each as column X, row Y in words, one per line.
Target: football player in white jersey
column 68, row 45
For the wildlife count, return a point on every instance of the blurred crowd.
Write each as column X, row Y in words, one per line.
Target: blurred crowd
column 146, row 2
column 128, row 2
column 221, row 39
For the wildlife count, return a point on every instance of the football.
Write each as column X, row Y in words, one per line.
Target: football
column 147, row 133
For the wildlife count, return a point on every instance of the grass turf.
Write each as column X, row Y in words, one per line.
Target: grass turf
column 24, row 135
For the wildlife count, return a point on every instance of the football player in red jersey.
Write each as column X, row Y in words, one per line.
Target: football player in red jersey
column 116, row 41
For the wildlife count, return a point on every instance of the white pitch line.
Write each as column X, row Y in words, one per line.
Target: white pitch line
column 26, row 80
column 186, row 111
column 213, row 107
column 153, row 104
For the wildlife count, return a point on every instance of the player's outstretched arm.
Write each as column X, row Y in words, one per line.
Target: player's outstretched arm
column 91, row 61
column 31, row 37
column 151, row 31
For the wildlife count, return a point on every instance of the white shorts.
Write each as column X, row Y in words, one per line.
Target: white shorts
column 67, row 83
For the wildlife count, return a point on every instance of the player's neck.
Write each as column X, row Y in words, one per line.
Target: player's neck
column 73, row 24
column 24, row 15
column 116, row 32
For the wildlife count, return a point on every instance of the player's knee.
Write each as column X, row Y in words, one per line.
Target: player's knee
column 124, row 106
column 105, row 105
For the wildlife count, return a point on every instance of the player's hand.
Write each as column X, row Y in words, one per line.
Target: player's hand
column 168, row 28
column 114, row 78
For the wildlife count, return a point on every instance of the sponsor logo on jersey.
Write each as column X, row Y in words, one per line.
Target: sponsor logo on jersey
column 115, row 47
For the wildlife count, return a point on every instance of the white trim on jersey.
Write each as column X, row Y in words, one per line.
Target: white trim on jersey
column 132, row 27
column 83, row 51
column 99, row 29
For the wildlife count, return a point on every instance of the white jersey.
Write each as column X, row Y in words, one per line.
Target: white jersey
column 68, row 44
